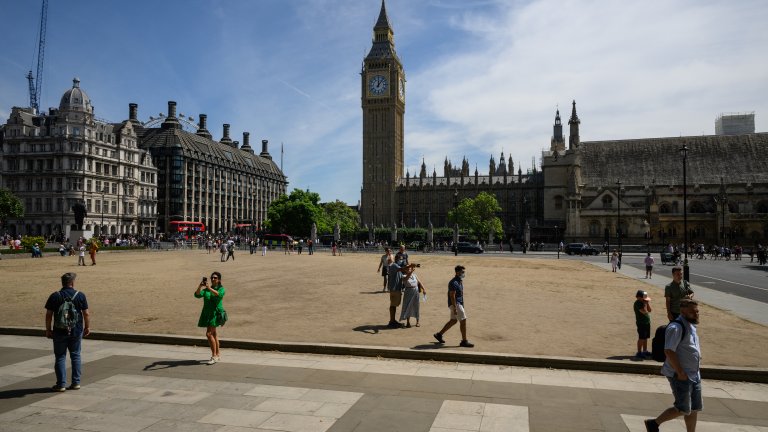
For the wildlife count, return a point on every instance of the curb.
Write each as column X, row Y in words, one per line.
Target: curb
column 722, row 373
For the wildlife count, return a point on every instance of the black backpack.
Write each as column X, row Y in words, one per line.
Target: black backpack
column 659, row 339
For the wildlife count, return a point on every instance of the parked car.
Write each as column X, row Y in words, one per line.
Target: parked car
column 466, row 247
column 580, row 249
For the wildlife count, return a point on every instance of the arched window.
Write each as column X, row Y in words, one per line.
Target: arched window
column 607, row 201
column 665, row 208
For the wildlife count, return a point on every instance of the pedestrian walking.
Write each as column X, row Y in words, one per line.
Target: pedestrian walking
column 230, row 250
column 682, row 368
column 614, row 261
column 649, row 261
column 81, row 255
column 213, row 314
column 384, row 263
column 223, row 251
column 412, row 287
column 67, row 321
column 456, row 307
column 93, row 247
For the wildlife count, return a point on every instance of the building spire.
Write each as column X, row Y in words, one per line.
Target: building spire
column 383, row 21
column 573, row 139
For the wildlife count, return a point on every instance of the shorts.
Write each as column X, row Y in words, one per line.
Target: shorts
column 395, row 298
column 459, row 315
column 644, row 331
column 384, row 271
column 687, row 395
column 648, row 268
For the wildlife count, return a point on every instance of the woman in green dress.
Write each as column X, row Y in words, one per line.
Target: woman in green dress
column 212, row 296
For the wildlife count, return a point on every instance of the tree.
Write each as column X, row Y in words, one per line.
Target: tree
column 10, row 206
column 479, row 215
column 294, row 214
column 339, row 212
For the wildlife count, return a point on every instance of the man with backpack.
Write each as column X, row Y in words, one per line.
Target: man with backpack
column 682, row 368
column 67, row 321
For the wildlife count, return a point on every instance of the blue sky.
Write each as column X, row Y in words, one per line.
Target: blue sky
column 483, row 75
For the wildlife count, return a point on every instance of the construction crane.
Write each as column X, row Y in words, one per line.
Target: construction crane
column 35, row 83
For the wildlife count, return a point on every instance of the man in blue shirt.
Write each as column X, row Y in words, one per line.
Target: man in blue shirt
column 67, row 339
column 456, row 307
column 682, row 368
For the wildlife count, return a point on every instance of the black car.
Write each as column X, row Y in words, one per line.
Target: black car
column 466, row 247
column 580, row 249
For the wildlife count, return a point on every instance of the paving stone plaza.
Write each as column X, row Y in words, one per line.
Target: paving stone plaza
column 143, row 387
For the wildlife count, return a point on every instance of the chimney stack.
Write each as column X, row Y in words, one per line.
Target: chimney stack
column 171, row 109
column 264, row 151
column 202, row 127
column 246, row 139
column 171, row 122
column 226, row 139
column 133, row 111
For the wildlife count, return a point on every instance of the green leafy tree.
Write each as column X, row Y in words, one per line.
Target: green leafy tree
column 339, row 212
column 293, row 214
column 478, row 215
column 10, row 206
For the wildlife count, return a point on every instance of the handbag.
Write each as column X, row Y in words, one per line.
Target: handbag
column 221, row 316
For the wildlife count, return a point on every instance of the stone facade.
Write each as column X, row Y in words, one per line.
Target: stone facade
column 134, row 178
column 220, row 183
column 53, row 161
column 574, row 195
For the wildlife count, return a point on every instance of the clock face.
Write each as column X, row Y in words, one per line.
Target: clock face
column 401, row 88
column 377, row 85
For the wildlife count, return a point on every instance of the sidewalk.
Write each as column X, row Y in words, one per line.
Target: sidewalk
column 742, row 307
column 141, row 387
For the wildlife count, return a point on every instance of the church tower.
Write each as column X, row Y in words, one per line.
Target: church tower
column 557, row 143
column 574, row 122
column 383, row 103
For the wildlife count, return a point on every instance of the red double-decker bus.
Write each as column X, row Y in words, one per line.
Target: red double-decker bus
column 187, row 229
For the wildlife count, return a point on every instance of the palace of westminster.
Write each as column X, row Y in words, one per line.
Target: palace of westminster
column 579, row 189
column 135, row 178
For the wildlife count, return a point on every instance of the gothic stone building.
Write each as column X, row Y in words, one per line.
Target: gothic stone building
column 387, row 197
column 573, row 196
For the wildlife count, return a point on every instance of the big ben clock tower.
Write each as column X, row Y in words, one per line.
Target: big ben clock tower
column 383, row 103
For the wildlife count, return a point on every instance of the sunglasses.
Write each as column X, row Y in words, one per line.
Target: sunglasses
column 214, row 277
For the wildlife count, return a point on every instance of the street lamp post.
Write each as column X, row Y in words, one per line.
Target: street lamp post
column 101, row 228
column 456, row 225
column 557, row 241
column 618, row 217
column 63, row 231
column 686, row 270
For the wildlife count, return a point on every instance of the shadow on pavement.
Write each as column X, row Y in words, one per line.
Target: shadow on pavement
column 626, row 357
column 165, row 364
column 373, row 292
column 431, row 346
column 373, row 328
column 757, row 267
column 20, row 393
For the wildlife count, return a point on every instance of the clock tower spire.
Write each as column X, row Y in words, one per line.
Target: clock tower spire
column 383, row 103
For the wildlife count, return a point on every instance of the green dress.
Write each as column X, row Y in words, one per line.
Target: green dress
column 210, row 304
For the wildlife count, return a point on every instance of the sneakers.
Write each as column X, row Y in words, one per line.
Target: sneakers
column 56, row 388
column 466, row 344
column 213, row 360
column 439, row 338
column 646, row 354
column 651, row 425
column 394, row 324
column 639, row 355
column 74, row 387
